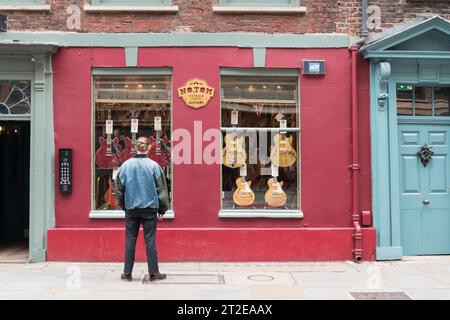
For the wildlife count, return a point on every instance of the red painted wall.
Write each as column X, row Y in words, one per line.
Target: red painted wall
column 325, row 135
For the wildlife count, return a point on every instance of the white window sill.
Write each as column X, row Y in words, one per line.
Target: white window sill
column 102, row 8
column 25, row 7
column 276, row 214
column 257, row 9
column 119, row 214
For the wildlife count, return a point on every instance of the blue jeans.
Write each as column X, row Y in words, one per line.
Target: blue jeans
column 132, row 223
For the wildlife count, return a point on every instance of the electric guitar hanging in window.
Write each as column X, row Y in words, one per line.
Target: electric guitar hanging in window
column 105, row 157
column 275, row 196
column 130, row 144
column 159, row 150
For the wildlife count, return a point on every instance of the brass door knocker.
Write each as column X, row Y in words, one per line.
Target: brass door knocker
column 425, row 155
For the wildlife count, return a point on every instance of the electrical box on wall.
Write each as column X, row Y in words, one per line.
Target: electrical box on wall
column 3, row 22
column 65, row 171
column 314, row 67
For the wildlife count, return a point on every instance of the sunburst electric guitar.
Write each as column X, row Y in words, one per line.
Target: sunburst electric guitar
column 275, row 196
column 243, row 196
column 234, row 154
column 283, row 154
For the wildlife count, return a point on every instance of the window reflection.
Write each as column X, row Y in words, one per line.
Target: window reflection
column 423, row 101
column 404, row 100
column 442, row 101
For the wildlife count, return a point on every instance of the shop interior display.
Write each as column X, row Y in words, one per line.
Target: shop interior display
column 127, row 108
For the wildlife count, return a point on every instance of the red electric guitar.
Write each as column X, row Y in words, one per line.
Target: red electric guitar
column 130, row 144
column 159, row 151
column 105, row 157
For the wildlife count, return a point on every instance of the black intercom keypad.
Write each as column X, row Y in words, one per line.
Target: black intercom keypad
column 65, row 170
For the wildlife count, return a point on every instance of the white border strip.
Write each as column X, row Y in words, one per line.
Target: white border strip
column 119, row 214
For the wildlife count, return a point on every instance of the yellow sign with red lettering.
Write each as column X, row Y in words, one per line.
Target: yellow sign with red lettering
column 196, row 93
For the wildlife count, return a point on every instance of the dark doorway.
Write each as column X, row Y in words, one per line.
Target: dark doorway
column 14, row 190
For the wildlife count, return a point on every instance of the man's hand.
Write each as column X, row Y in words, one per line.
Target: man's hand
column 160, row 216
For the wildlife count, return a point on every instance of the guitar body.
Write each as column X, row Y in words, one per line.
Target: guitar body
column 129, row 151
column 234, row 154
column 105, row 158
column 110, row 197
column 243, row 196
column 283, row 154
column 275, row 196
column 159, row 152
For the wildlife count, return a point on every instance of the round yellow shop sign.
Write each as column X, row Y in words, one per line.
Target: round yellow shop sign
column 196, row 93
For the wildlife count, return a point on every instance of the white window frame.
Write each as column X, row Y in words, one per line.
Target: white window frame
column 99, row 6
column 243, row 6
column 28, row 5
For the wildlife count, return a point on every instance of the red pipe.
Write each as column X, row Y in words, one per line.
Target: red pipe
column 357, row 235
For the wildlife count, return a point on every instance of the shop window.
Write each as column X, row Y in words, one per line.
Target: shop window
column 278, row 3
column 15, row 97
column 127, row 107
column 261, row 133
column 422, row 101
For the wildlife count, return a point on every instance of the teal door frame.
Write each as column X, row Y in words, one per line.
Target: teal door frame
column 33, row 63
column 385, row 74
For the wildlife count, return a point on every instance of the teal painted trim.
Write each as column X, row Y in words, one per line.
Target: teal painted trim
column 265, row 3
column 381, row 204
column 259, row 57
column 244, row 40
column 423, row 120
column 42, row 192
column 119, row 214
column 409, row 54
column 131, row 71
column 131, row 56
column 435, row 23
column 389, row 253
column 260, row 72
column 273, row 214
column 394, row 166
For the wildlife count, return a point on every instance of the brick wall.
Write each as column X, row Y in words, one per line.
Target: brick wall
column 343, row 16
column 193, row 15
column 400, row 11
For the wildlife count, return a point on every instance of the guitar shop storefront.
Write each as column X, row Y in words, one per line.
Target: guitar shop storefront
column 410, row 119
column 26, row 149
column 256, row 151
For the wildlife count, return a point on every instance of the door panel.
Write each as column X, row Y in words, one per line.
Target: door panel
column 425, row 227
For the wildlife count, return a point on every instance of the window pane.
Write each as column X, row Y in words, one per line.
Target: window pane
column 15, row 97
column 123, row 100
column 259, row 102
column 260, row 166
column 442, row 101
column 404, row 100
column 423, row 101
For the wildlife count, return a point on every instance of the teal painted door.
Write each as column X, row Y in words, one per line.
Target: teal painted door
column 424, row 190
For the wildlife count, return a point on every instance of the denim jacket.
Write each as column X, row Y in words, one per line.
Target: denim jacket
column 141, row 184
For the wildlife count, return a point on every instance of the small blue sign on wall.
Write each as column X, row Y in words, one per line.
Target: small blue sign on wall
column 314, row 67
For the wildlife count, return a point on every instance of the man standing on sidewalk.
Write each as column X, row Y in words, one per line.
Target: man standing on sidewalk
column 141, row 189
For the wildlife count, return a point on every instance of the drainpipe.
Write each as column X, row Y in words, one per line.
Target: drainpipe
column 357, row 235
column 365, row 18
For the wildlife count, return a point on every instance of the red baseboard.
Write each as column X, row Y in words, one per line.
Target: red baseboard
column 218, row 244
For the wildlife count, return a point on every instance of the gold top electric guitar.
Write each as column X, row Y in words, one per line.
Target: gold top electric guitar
column 283, row 154
column 243, row 196
column 275, row 196
column 234, row 154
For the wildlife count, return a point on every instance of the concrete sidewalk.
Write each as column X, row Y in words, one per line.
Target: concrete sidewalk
column 413, row 278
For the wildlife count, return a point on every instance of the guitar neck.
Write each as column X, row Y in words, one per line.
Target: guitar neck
column 133, row 143
column 158, row 142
